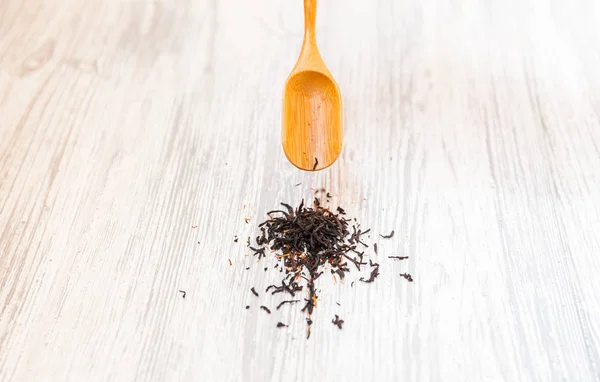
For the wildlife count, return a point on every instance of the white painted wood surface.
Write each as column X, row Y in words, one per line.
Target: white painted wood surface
column 472, row 130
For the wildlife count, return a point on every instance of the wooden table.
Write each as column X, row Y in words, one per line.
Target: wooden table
column 136, row 136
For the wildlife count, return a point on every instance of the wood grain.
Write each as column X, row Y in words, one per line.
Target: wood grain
column 472, row 129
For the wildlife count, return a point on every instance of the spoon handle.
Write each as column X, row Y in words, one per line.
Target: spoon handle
column 310, row 58
column 310, row 16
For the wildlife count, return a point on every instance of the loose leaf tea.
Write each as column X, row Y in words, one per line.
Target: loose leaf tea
column 265, row 309
column 282, row 303
column 337, row 322
column 388, row 236
column 254, row 291
column 308, row 242
column 407, row 276
column 374, row 273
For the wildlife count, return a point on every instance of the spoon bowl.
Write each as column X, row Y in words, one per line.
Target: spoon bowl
column 312, row 121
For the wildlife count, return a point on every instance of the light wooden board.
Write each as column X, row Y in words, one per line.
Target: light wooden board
column 472, row 130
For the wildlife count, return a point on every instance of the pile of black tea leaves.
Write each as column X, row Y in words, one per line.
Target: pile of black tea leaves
column 306, row 241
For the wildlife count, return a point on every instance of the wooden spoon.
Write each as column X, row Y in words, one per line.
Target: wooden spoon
column 312, row 132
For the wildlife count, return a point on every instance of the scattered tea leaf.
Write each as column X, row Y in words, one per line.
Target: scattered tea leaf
column 388, row 236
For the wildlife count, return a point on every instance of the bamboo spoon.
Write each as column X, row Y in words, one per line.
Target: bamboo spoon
column 312, row 131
